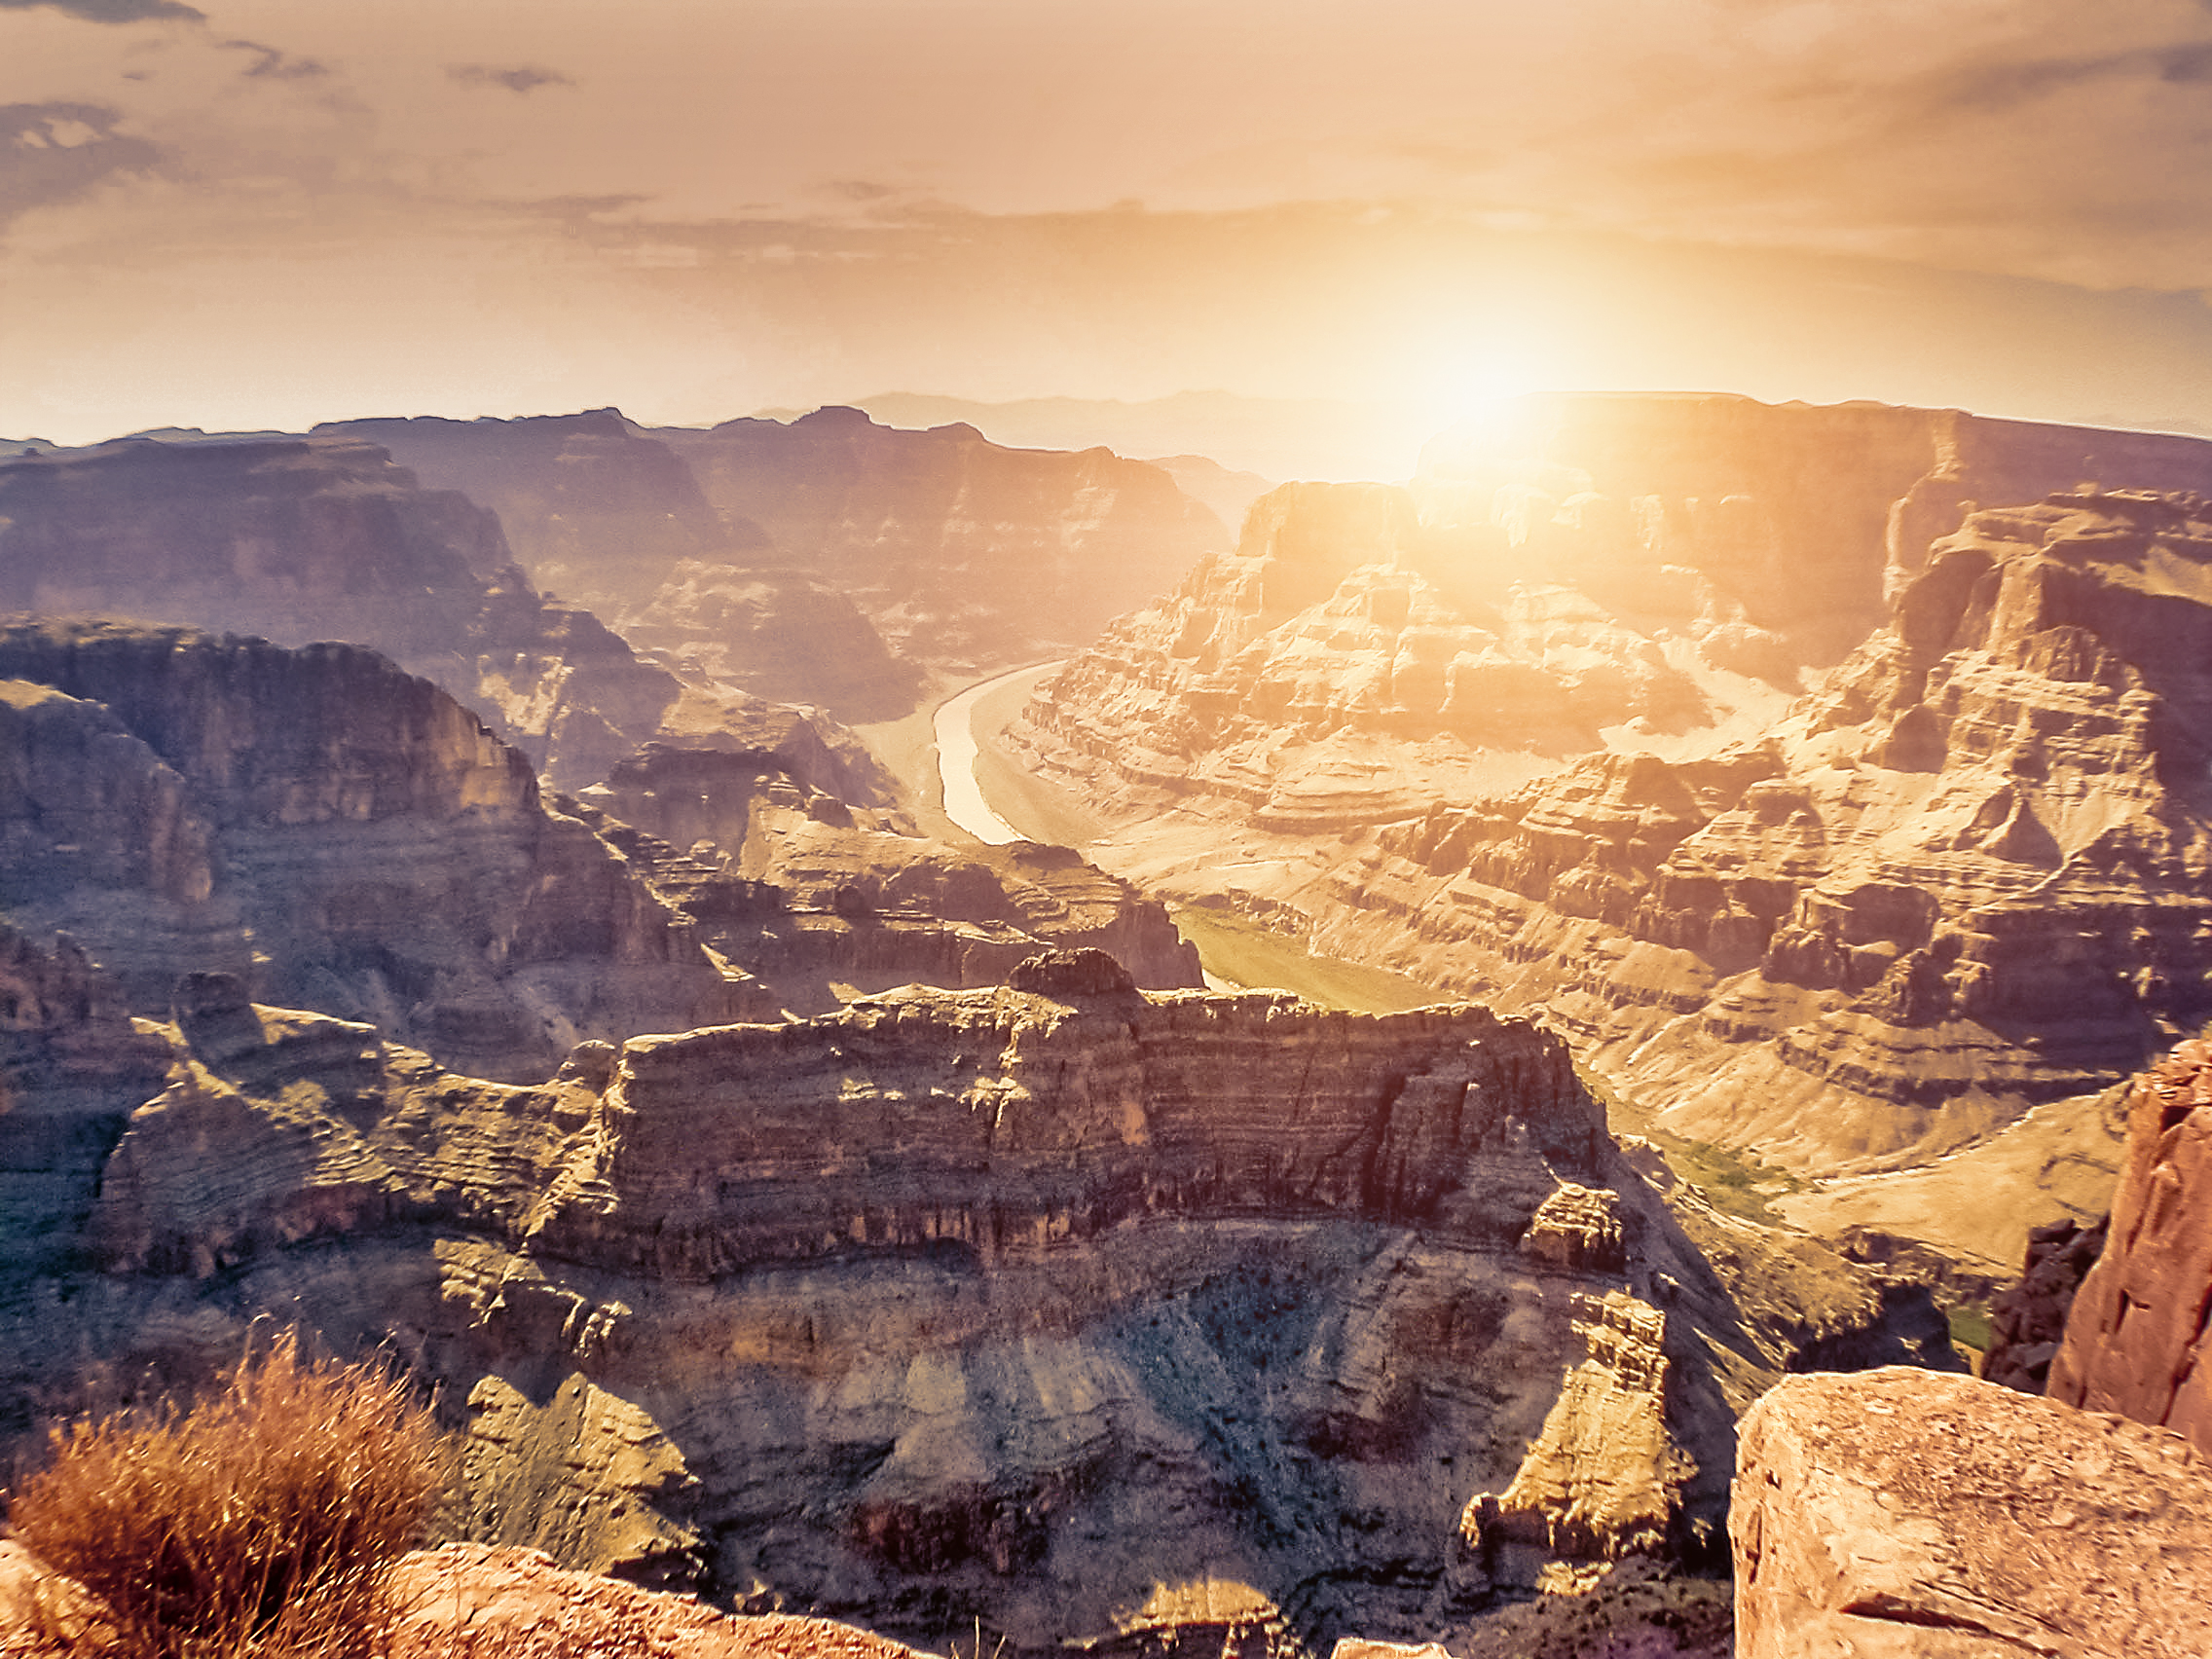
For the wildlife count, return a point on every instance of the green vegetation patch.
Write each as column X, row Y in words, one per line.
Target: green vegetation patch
column 1734, row 1183
column 1238, row 949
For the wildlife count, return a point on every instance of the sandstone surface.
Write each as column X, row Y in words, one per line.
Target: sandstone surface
column 1549, row 760
column 333, row 833
column 1023, row 1307
column 828, row 560
column 304, row 539
column 468, row 1600
column 1903, row 1513
column 2136, row 1332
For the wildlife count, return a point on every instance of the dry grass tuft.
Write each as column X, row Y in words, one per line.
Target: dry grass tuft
column 258, row 1525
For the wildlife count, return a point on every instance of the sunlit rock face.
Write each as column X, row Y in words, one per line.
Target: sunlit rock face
column 1900, row 1515
column 334, row 831
column 2134, row 1341
column 1042, row 1306
column 324, row 538
column 1962, row 874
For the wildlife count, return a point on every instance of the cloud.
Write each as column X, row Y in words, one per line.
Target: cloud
column 521, row 79
column 270, row 63
column 115, row 10
column 53, row 152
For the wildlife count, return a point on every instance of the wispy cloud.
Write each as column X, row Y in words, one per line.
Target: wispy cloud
column 273, row 65
column 53, row 152
column 115, row 10
column 521, row 78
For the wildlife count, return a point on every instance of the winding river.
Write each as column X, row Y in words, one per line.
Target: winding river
column 956, row 752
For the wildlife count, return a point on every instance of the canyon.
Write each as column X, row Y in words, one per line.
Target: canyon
column 796, row 1207
column 1024, row 1306
column 1855, row 881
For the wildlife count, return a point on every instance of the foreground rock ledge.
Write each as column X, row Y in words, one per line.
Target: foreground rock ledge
column 466, row 1599
column 1901, row 1512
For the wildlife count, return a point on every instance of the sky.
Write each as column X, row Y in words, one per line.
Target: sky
column 255, row 213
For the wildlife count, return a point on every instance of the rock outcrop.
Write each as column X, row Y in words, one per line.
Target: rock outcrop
column 593, row 505
column 1018, row 1307
column 2028, row 1320
column 1900, row 1513
column 1537, row 762
column 2136, row 1335
column 304, row 539
column 822, row 900
column 332, row 831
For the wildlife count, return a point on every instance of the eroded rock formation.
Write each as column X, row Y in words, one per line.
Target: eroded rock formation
column 823, row 900
column 1906, row 1514
column 304, row 539
column 1527, row 761
column 333, row 833
column 1022, row 1305
column 2136, row 1334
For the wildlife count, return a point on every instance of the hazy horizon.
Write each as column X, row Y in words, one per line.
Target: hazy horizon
column 252, row 213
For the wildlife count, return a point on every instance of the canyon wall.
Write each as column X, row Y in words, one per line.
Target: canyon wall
column 1963, row 874
column 336, row 832
column 960, row 551
column 1021, row 1307
column 828, row 560
column 302, row 540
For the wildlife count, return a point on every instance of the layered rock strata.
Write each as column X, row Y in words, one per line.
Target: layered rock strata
column 302, row 539
column 823, row 900
column 331, row 830
column 1018, row 1307
column 1900, row 1513
column 2137, row 1333
column 1962, row 876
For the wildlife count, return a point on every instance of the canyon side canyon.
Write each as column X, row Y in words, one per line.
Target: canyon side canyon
column 1797, row 819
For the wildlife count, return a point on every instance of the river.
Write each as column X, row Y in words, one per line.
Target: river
column 956, row 752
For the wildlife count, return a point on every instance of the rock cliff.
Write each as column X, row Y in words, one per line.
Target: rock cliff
column 1037, row 1306
column 1900, row 1513
column 2136, row 1335
column 333, row 832
column 1961, row 875
column 301, row 539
